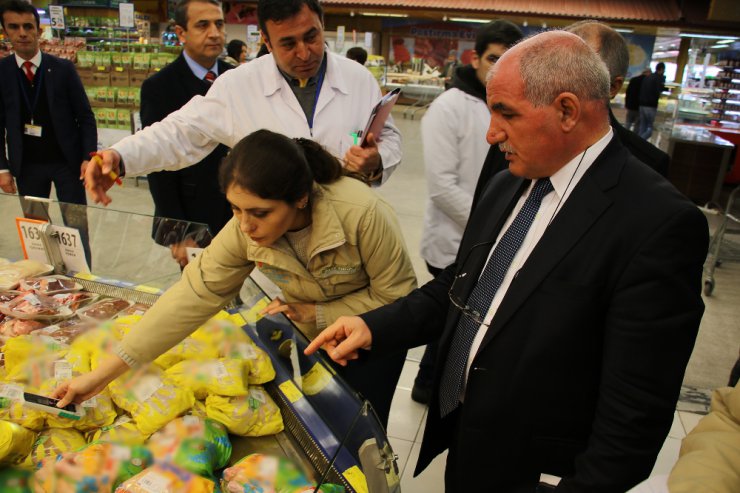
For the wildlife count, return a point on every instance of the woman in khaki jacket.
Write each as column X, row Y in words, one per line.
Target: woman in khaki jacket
column 328, row 241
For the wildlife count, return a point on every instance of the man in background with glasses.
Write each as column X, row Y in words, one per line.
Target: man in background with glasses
column 568, row 318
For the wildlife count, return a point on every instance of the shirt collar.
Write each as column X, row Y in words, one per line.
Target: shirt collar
column 36, row 60
column 567, row 177
column 198, row 69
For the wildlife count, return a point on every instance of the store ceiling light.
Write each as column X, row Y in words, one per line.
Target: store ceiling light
column 465, row 19
column 383, row 14
column 719, row 46
column 707, row 36
column 725, row 41
column 624, row 30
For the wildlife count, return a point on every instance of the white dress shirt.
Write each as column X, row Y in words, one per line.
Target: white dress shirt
column 563, row 183
column 36, row 61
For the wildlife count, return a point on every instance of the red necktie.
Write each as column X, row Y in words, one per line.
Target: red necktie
column 28, row 68
column 210, row 77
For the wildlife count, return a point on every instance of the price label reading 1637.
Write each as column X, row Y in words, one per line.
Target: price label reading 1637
column 67, row 239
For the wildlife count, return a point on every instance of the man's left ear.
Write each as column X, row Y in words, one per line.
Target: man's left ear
column 615, row 86
column 568, row 107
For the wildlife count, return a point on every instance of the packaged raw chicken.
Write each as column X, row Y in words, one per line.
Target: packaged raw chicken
column 13, row 410
column 75, row 300
column 97, row 411
column 215, row 376
column 200, row 446
column 25, row 347
column 150, row 397
column 13, row 327
column 166, row 478
column 52, row 443
column 267, row 473
column 123, row 430
column 35, row 306
column 255, row 414
column 50, row 284
column 67, row 330
column 97, row 467
column 188, row 349
column 8, row 295
column 16, row 443
column 103, row 309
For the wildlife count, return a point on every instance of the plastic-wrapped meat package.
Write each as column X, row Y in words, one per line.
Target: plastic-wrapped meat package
column 263, row 473
column 53, row 442
column 75, row 300
column 12, row 273
column 67, row 330
column 123, row 430
column 14, row 327
column 166, row 478
column 103, row 309
column 98, row 467
column 13, row 410
column 49, row 285
column 16, row 443
column 255, row 414
column 136, row 309
column 198, row 445
column 215, row 376
column 6, row 296
column 35, row 306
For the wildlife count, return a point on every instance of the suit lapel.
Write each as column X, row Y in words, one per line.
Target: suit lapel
column 583, row 208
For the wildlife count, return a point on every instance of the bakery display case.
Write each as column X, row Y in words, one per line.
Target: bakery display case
column 328, row 433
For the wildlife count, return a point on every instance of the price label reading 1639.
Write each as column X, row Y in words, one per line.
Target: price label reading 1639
column 31, row 232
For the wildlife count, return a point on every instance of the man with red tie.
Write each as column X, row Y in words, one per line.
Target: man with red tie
column 190, row 194
column 45, row 118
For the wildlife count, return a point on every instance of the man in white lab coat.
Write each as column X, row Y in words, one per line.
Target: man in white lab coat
column 300, row 90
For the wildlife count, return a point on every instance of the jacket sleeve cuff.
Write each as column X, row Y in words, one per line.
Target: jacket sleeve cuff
column 320, row 317
column 127, row 355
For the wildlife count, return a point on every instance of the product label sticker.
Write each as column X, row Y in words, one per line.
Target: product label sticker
column 120, row 453
column 92, row 402
column 153, row 482
column 218, row 370
column 356, row 479
column 146, row 387
column 49, row 330
column 62, row 370
column 290, row 391
column 189, row 420
column 12, row 392
column 258, row 394
column 246, row 351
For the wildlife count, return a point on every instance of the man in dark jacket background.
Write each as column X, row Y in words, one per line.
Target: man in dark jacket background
column 632, row 100
column 650, row 90
column 193, row 193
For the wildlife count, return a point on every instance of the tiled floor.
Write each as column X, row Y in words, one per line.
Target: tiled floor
column 406, row 191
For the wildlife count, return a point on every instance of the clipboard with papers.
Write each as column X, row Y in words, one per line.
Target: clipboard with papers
column 379, row 115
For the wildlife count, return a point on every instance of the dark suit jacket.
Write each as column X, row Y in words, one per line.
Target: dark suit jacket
column 192, row 193
column 639, row 147
column 73, row 120
column 579, row 373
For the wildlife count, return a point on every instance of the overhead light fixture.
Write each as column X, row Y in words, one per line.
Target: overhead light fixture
column 707, row 36
column 719, row 46
column 525, row 23
column 41, row 11
column 444, row 17
column 382, row 14
column 725, row 41
column 465, row 19
column 544, row 25
column 351, row 13
column 624, row 30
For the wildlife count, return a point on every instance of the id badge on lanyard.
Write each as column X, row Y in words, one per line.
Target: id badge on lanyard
column 31, row 129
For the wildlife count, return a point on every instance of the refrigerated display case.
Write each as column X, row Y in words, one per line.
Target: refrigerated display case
column 330, row 430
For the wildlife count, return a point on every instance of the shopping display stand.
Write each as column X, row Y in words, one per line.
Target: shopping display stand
column 330, row 430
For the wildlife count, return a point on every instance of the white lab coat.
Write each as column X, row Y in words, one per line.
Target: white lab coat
column 453, row 132
column 255, row 96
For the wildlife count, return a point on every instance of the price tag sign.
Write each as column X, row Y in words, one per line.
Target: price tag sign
column 340, row 37
column 56, row 14
column 70, row 246
column 368, row 39
column 30, row 236
column 126, row 15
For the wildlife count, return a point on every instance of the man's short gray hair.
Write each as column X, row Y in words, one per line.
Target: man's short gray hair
column 551, row 66
column 613, row 47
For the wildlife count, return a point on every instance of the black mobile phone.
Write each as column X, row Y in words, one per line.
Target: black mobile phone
column 48, row 402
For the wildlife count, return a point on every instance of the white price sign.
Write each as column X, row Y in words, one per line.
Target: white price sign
column 340, row 37
column 29, row 233
column 126, row 15
column 56, row 14
column 70, row 246
column 368, row 39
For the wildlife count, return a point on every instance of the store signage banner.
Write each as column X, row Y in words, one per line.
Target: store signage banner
column 126, row 15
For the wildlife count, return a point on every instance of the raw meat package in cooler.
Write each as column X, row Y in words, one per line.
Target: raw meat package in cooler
column 98, row 467
column 16, row 442
column 200, row 446
column 53, row 442
column 12, row 408
column 254, row 414
column 49, row 284
column 13, row 480
column 123, row 430
column 136, row 309
column 103, row 309
column 35, row 307
column 75, row 301
column 12, row 273
column 166, row 478
column 214, row 376
column 67, row 330
column 9, row 295
column 14, row 327
column 187, row 349
column 231, row 342
column 150, row 397
column 260, row 473
column 97, row 411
